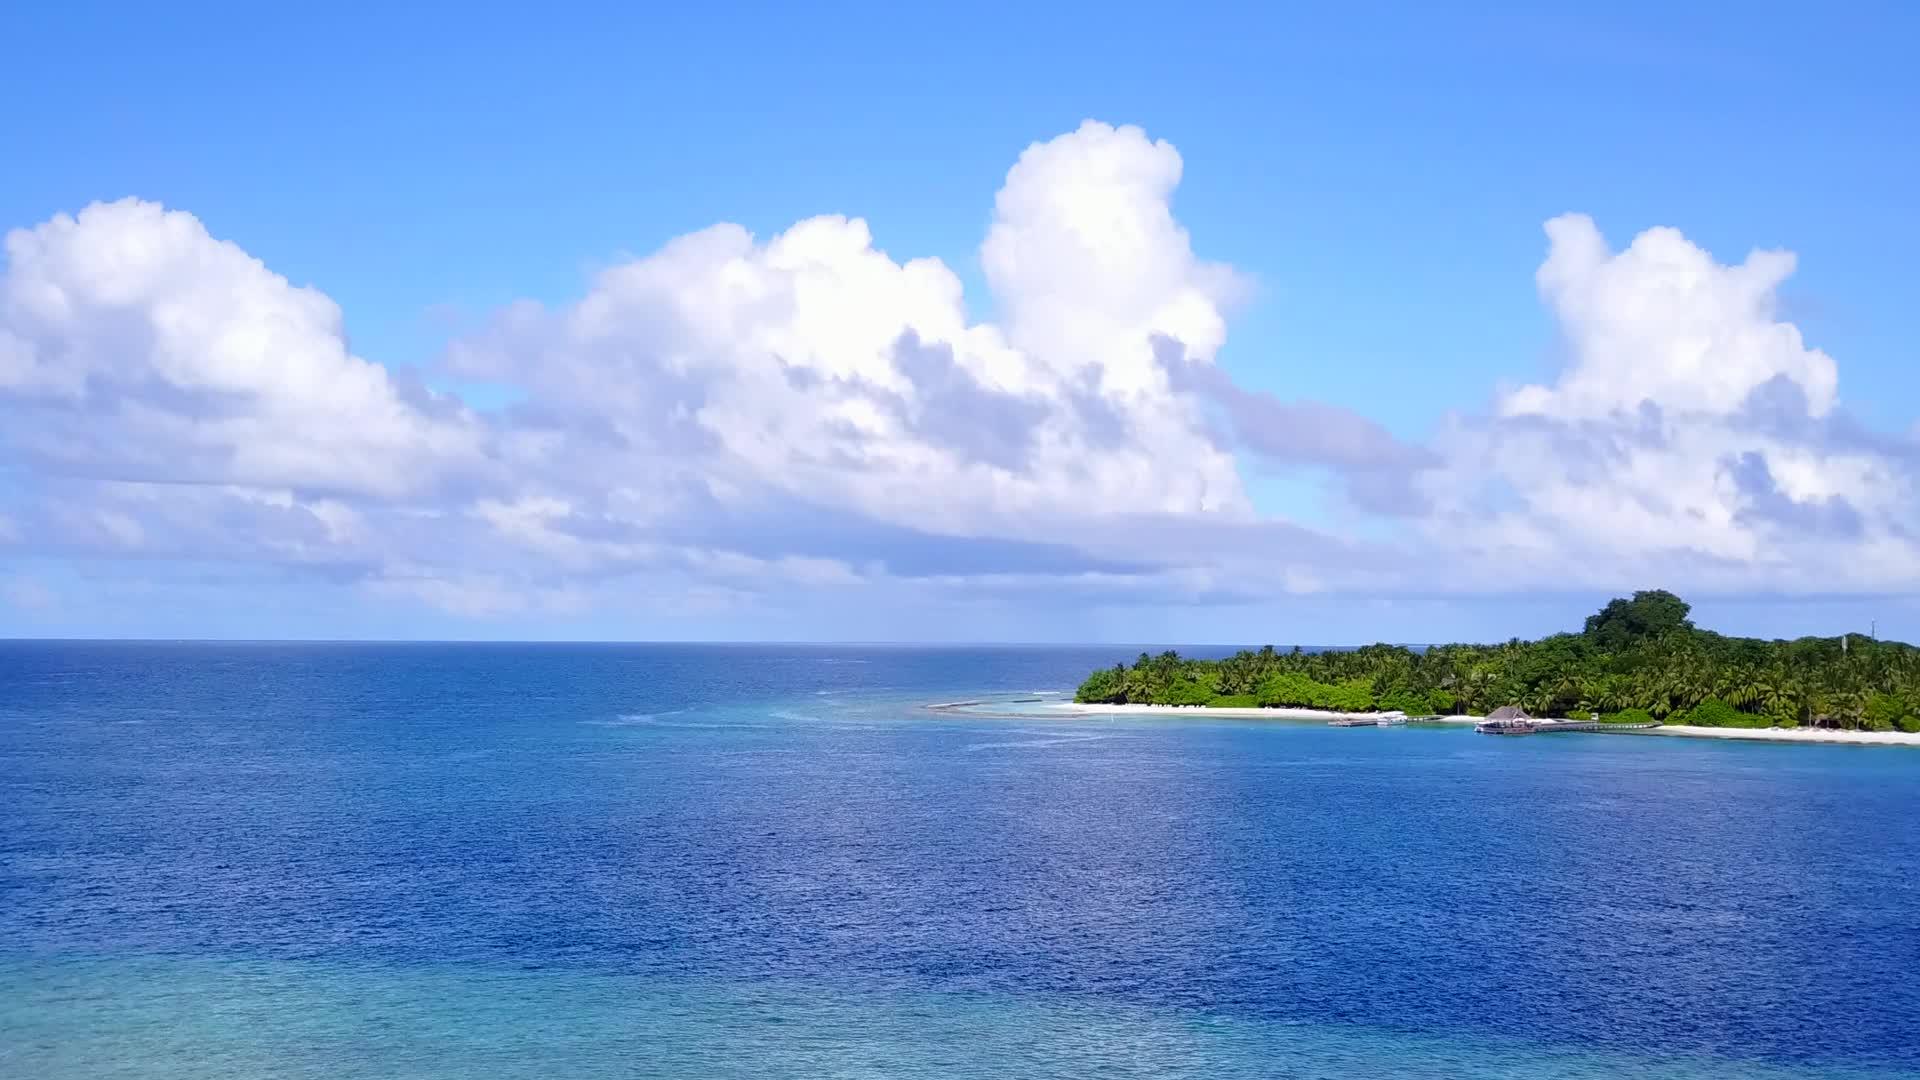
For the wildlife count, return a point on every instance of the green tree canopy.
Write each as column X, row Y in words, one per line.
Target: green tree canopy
column 1651, row 614
column 1637, row 659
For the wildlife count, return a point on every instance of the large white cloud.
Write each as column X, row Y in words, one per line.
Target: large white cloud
column 133, row 343
column 1692, row 437
column 1090, row 266
column 729, row 417
column 1663, row 322
column 803, row 409
column 816, row 365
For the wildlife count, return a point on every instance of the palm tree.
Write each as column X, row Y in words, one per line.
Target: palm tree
column 1541, row 701
column 1738, row 686
column 1613, row 693
column 1850, row 705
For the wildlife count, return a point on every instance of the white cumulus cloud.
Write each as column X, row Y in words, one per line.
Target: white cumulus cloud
column 735, row 416
column 1663, row 322
column 134, row 343
column 815, row 364
column 1692, row 437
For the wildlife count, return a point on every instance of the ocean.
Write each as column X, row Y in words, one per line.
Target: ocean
column 361, row 861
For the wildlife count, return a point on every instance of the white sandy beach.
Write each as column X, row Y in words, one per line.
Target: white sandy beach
column 1075, row 708
column 1791, row 735
column 1782, row 735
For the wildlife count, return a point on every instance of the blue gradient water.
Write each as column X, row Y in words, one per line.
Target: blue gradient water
column 586, row 861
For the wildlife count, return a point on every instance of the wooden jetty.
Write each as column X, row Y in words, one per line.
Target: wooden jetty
column 1521, row 726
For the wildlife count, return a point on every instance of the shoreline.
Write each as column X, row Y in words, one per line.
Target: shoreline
column 1831, row 736
column 1283, row 712
column 1828, row 736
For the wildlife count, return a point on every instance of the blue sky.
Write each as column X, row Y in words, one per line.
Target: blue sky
column 1377, row 178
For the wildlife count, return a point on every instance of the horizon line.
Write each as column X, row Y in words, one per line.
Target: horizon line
column 899, row 643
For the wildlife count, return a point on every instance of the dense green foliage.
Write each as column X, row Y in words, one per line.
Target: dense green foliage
column 1637, row 659
column 1716, row 713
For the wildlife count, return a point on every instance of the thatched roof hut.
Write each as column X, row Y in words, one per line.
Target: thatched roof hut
column 1509, row 712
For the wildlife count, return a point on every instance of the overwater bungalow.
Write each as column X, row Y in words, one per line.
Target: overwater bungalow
column 1507, row 720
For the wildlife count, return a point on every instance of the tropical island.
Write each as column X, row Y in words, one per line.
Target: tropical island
column 1636, row 661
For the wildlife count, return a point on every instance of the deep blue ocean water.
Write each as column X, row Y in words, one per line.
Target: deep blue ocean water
column 769, row 861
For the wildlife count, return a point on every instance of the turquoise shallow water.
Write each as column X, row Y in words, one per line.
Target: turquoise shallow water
column 708, row 862
column 166, row 1018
